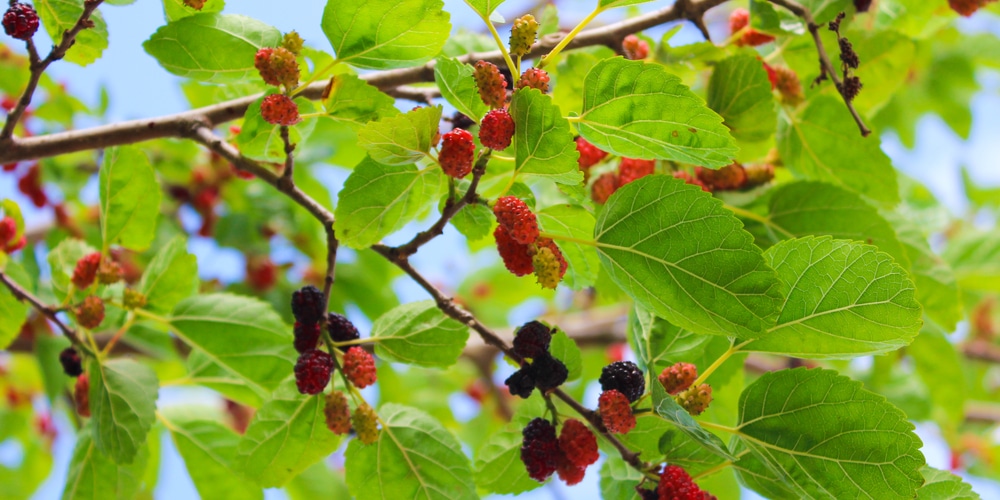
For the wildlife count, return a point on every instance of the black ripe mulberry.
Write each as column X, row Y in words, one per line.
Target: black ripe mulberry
column 308, row 305
column 532, row 340
column 624, row 377
column 312, row 371
column 520, row 383
column 548, row 372
column 341, row 329
column 540, row 449
column 71, row 363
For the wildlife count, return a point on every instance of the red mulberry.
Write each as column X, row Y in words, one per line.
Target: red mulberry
column 90, row 312
column 631, row 169
column 590, row 155
column 20, row 21
column 516, row 256
column 497, row 129
column 491, row 83
column 540, row 449
column 86, row 270
column 604, row 187
column 337, row 413
column 457, row 153
column 359, row 366
column 515, row 216
column 312, row 371
column 635, row 48
column 578, row 443
column 278, row 109
column 277, row 66
column 534, row 78
column 678, row 377
column 616, row 413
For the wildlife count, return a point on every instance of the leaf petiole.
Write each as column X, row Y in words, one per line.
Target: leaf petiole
column 569, row 38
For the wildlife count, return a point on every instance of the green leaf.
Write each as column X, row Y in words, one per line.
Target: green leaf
column 975, row 259
column 678, row 253
column 402, row 139
column 123, row 404
column 565, row 349
column 943, row 485
column 618, row 480
column 62, row 260
column 610, row 4
column 204, row 371
column 498, row 466
column 209, row 452
column 93, row 476
column 384, row 34
column 420, row 334
column 665, row 406
column 844, row 300
column 59, row 16
column 825, row 10
column 260, row 140
column 47, row 350
column 414, row 457
column 458, row 87
column 286, row 436
column 741, row 92
column 681, row 449
column 171, row 276
column 543, row 143
column 378, row 200
column 241, row 334
column 474, row 221
column 937, row 290
column 13, row 312
column 638, row 110
column 355, row 101
column 817, row 208
column 940, row 367
column 828, row 437
column 484, row 8
column 823, row 143
column 210, row 47
column 130, row 198
column 577, row 223
column 177, row 9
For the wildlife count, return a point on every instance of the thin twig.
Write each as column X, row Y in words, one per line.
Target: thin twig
column 179, row 124
column 39, row 66
column 286, row 175
column 49, row 312
column 826, row 67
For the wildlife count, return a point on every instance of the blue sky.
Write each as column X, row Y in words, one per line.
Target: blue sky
column 140, row 88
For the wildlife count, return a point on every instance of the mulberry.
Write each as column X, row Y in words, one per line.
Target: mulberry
column 635, row 48
column 341, row 329
column 578, row 444
column 678, row 377
column 604, row 187
column 540, row 449
column 624, row 377
column 728, row 178
column 457, row 153
column 71, row 363
column 676, row 484
column 90, row 312
column 20, row 21
column 8, row 229
column 549, row 264
column 569, row 473
column 293, row 42
column 516, row 256
column 686, row 177
column 630, row 169
column 491, row 84
column 590, row 155
column 616, row 413
column 740, row 19
column 365, row 422
column 312, row 371
column 81, row 395
column 86, row 270
column 359, row 366
column 534, row 78
column 308, row 305
column 338, row 413
column 786, row 81
column 532, row 340
column 497, row 129
column 306, row 336
column 515, row 216
column 133, row 299
column 522, row 35
column 520, row 384
column 548, row 372
column 109, row 272
column 695, row 399
column 278, row 109
column 277, row 66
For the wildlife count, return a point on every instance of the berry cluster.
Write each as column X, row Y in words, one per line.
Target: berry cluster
column 20, row 21
column 340, row 420
column 739, row 21
column 851, row 84
column 522, row 249
column 278, row 66
column 569, row 455
column 540, row 369
column 622, row 383
column 104, row 270
column 9, row 242
column 629, row 169
column 676, row 484
column 590, row 155
column 635, row 48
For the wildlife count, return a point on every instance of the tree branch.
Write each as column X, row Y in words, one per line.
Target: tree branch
column 178, row 125
column 39, row 66
column 50, row 313
column 826, row 67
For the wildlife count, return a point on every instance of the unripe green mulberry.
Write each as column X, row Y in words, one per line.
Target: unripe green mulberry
column 292, row 42
column 522, row 35
column 365, row 423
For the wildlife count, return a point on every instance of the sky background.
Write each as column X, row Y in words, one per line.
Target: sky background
column 140, row 88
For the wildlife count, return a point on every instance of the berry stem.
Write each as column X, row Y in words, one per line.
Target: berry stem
column 574, row 118
column 313, row 77
column 39, row 66
column 51, row 313
column 719, row 427
column 733, row 349
column 496, row 37
column 121, row 332
column 569, row 38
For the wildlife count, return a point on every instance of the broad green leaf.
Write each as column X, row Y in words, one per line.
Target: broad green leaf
column 565, row 349
column 171, row 276
column 62, row 260
column 680, row 449
column 825, row 10
column 93, row 476
column 210, row 47
column 817, row 208
column 242, row 334
column 844, row 300
column 975, row 259
column 543, row 142
column 59, row 16
column 122, row 404
column 484, row 8
column 384, row 34
column 286, row 436
column 498, row 466
column 940, row 366
column 638, row 110
column 260, row 140
column 474, row 221
column 937, row 290
column 457, row 86
column 414, row 457
column 13, row 312
column 177, row 9
column 130, row 198
column 658, row 343
column 665, row 406
column 645, row 437
column 943, row 485
column 610, row 4
column 828, row 437
column 378, row 200
column 420, row 334
column 678, row 253
column 47, row 350
column 318, row 481
column 209, row 452
column 822, row 143
column 355, row 101
column 618, row 480
column 741, row 93
column 758, row 476
column 402, row 139
column 575, row 222
column 203, row 370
